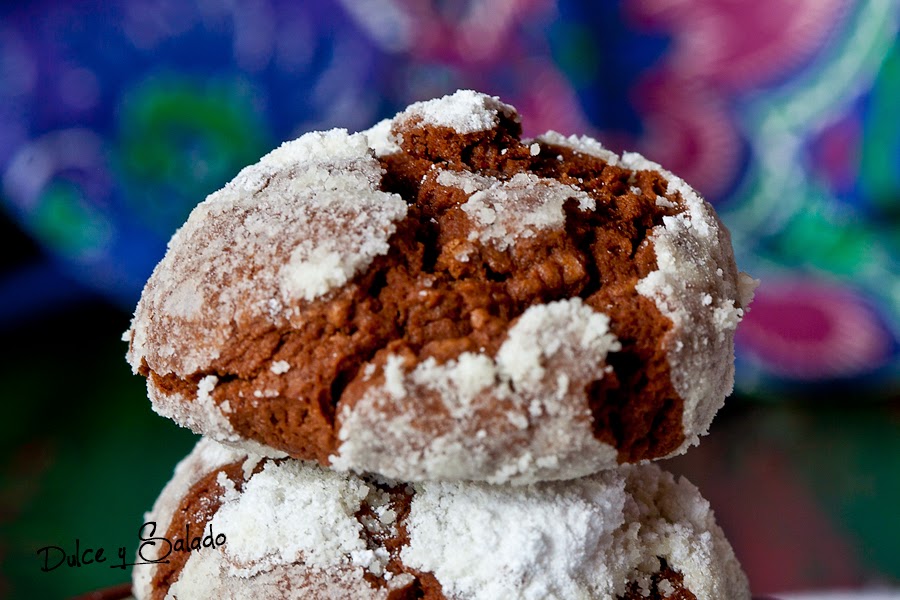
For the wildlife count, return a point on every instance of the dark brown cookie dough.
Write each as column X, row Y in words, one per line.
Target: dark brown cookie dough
column 460, row 305
column 295, row 530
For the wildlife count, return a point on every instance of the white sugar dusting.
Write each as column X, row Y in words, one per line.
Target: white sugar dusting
column 380, row 138
column 464, row 111
column 585, row 538
column 561, row 330
column 294, row 526
column 504, row 211
column 200, row 414
column 393, row 377
column 280, row 367
column 291, row 228
column 512, row 419
column 582, row 144
column 697, row 286
column 665, row 202
column 466, row 181
column 269, row 522
column 293, row 523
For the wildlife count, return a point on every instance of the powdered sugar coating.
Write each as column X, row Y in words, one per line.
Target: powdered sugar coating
column 582, row 144
column 292, row 526
column 698, row 287
column 293, row 532
column 199, row 414
column 505, row 211
column 380, row 138
column 538, row 379
column 268, row 521
column 290, row 228
column 464, row 111
column 280, row 367
column 585, row 538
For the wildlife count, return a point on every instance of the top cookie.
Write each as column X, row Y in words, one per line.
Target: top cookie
column 436, row 298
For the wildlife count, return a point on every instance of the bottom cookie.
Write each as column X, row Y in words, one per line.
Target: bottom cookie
column 233, row 525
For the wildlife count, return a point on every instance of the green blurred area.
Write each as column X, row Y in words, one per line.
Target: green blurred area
column 83, row 454
column 807, row 491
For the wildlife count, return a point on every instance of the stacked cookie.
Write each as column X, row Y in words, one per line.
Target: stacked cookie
column 431, row 360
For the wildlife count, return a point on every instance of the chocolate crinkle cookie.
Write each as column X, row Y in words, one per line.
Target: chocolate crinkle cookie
column 292, row 529
column 438, row 299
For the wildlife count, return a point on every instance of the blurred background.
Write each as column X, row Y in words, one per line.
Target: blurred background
column 116, row 118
